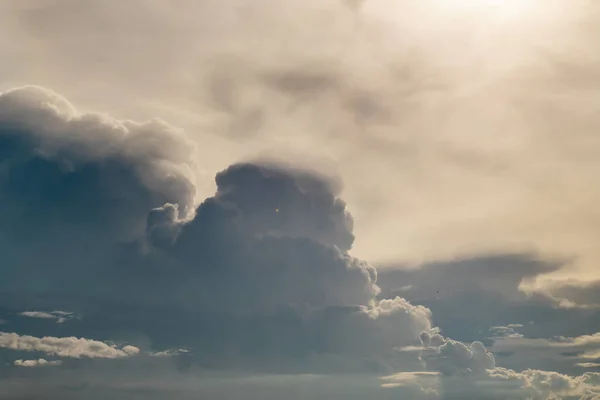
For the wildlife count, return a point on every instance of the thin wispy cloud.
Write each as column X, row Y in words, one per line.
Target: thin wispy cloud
column 36, row 363
column 58, row 316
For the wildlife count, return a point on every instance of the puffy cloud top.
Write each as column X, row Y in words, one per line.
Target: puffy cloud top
column 63, row 167
column 452, row 357
column 270, row 236
column 75, row 186
column 258, row 275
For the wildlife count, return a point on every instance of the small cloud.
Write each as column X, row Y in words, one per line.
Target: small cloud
column 507, row 331
column 588, row 365
column 65, row 346
column 36, row 363
column 420, row 379
column 37, row 314
column 59, row 316
column 169, row 353
column 405, row 288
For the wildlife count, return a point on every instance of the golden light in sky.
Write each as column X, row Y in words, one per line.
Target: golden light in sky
column 498, row 7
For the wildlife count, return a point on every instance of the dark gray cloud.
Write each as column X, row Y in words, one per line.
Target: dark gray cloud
column 76, row 186
column 258, row 276
column 487, row 292
column 270, row 236
column 267, row 263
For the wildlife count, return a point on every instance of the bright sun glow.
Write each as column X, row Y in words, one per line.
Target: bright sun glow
column 496, row 8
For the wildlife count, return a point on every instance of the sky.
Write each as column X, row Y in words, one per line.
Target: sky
column 317, row 199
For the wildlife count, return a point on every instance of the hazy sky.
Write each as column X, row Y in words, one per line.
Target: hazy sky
column 278, row 198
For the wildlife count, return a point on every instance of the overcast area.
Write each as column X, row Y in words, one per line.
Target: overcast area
column 320, row 199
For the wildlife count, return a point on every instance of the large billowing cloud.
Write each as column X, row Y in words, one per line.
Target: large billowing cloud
column 270, row 236
column 76, row 188
column 100, row 219
column 464, row 102
column 273, row 242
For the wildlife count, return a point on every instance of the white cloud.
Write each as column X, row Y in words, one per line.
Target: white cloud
column 36, row 363
column 506, row 331
column 65, row 347
column 168, row 353
column 470, row 372
column 59, row 316
column 545, row 384
column 588, row 365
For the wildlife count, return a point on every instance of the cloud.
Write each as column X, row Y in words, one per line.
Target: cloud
column 36, row 363
column 416, row 385
column 572, row 294
column 99, row 213
column 456, row 358
column 77, row 188
column 546, row 384
column 59, row 316
column 470, row 371
column 588, row 365
column 65, row 347
column 258, row 276
column 492, row 292
column 37, row 314
column 563, row 354
column 290, row 234
column 169, row 353
column 506, row 331
column 358, row 91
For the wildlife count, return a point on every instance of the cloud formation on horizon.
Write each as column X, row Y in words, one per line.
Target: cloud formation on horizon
column 101, row 218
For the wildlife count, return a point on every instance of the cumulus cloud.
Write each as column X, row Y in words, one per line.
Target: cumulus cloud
column 99, row 213
column 362, row 85
column 36, row 363
column 456, row 358
column 470, row 371
column 258, row 275
column 282, row 232
column 538, row 384
column 77, row 185
column 65, row 347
